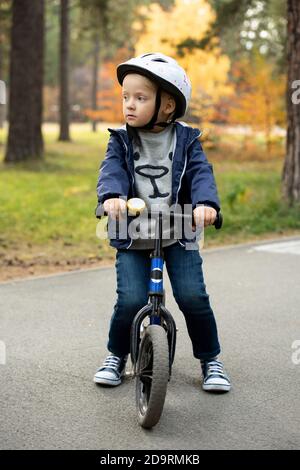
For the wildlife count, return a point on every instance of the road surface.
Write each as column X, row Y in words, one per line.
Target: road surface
column 53, row 333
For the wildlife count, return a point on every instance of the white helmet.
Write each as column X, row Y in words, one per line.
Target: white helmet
column 164, row 71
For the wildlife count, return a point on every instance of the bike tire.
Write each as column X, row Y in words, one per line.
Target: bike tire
column 152, row 376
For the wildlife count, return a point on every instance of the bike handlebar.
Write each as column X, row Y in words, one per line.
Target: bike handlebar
column 217, row 223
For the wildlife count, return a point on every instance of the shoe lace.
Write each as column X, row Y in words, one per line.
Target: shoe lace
column 113, row 362
column 215, row 368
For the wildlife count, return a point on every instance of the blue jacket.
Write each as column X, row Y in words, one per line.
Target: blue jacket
column 193, row 181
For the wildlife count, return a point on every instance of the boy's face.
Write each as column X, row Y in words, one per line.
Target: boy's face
column 139, row 95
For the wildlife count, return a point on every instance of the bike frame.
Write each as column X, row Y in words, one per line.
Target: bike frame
column 155, row 309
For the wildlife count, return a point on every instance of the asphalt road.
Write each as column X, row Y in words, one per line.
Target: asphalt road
column 54, row 329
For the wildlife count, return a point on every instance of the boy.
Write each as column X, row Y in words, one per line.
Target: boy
column 160, row 161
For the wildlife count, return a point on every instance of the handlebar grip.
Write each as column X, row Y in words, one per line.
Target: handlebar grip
column 219, row 221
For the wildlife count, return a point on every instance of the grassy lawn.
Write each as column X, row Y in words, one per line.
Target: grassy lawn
column 47, row 208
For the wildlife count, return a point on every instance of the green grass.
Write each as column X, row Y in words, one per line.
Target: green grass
column 49, row 205
column 251, row 201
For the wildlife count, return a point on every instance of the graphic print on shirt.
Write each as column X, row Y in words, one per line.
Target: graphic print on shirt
column 153, row 172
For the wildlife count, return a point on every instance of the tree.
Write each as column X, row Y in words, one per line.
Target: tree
column 64, row 134
column 208, row 70
column 25, row 139
column 80, row 56
column 244, row 26
column 109, row 25
column 291, row 170
column 231, row 16
column 5, row 20
column 109, row 95
column 259, row 96
column 96, row 57
column 160, row 29
column 96, row 20
column 52, row 37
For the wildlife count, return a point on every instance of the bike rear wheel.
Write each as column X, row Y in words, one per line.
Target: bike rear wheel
column 152, row 375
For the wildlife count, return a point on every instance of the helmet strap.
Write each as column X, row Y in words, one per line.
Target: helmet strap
column 153, row 120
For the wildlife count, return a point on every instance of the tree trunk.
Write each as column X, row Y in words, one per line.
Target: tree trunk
column 2, row 105
column 25, row 139
column 268, row 126
column 291, row 170
column 64, row 72
column 95, row 77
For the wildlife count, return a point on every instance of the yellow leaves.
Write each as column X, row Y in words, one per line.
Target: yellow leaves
column 185, row 19
column 254, row 97
column 207, row 70
column 259, row 100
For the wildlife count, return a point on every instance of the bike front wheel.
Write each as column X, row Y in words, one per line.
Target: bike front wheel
column 152, row 375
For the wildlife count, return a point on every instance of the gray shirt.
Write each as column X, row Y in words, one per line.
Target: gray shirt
column 153, row 184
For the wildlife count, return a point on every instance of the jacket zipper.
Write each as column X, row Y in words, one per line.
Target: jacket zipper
column 132, row 181
column 185, row 163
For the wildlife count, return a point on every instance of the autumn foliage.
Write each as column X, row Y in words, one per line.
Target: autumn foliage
column 258, row 100
column 244, row 92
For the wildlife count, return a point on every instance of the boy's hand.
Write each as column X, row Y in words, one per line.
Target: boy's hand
column 206, row 214
column 114, row 207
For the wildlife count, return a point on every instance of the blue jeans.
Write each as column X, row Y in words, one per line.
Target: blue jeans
column 184, row 268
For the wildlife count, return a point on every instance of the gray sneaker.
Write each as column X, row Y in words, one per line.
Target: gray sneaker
column 215, row 378
column 112, row 371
